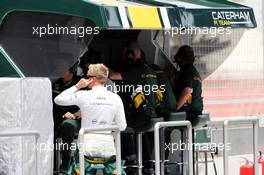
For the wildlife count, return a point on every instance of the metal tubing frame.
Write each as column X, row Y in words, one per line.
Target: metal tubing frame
column 159, row 125
column 117, row 144
column 252, row 120
column 58, row 155
column 139, row 153
column 36, row 135
column 162, row 152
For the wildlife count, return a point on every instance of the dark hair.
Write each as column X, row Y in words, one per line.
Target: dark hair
column 185, row 52
column 129, row 56
column 90, row 57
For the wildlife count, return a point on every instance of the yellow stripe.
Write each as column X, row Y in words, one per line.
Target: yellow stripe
column 144, row 17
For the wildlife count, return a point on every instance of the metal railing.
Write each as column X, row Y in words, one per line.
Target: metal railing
column 25, row 133
column 225, row 124
column 174, row 124
column 139, row 153
column 116, row 135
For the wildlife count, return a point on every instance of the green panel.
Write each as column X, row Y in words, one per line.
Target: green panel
column 174, row 17
column 79, row 8
column 208, row 3
column 202, row 136
column 235, row 18
column 108, row 17
column 211, row 3
column 220, row 2
column 7, row 68
column 211, row 13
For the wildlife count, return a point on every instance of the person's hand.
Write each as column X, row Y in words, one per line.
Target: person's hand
column 78, row 115
column 83, row 83
column 69, row 115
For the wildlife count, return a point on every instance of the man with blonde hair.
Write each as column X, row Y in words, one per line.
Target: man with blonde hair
column 99, row 71
column 99, row 107
column 86, row 99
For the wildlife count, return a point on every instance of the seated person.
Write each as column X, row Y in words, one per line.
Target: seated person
column 66, row 121
column 70, row 78
column 99, row 107
column 151, row 85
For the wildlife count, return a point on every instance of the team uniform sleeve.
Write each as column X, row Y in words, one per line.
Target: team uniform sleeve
column 130, row 74
column 120, row 118
column 188, row 79
column 68, row 97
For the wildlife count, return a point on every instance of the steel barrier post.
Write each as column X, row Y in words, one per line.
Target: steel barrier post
column 26, row 133
column 243, row 120
column 159, row 125
column 139, row 153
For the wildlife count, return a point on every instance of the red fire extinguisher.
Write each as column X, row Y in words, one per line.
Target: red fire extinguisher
column 261, row 162
column 247, row 168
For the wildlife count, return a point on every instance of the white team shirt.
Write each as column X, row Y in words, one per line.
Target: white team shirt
column 99, row 107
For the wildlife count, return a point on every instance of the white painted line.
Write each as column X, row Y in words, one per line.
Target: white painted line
column 165, row 17
column 123, row 16
column 239, row 101
column 12, row 63
column 184, row 4
column 242, row 22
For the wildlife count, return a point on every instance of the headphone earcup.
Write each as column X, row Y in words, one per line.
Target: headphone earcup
column 177, row 58
column 129, row 55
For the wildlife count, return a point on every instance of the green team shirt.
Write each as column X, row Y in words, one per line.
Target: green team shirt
column 150, row 77
column 190, row 77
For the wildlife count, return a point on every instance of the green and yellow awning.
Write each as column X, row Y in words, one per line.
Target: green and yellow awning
column 144, row 14
column 157, row 14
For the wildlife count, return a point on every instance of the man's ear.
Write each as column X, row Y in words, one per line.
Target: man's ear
column 93, row 79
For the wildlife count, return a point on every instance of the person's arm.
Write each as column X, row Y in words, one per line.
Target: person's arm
column 185, row 95
column 76, row 115
column 187, row 82
column 68, row 115
column 120, row 118
column 69, row 96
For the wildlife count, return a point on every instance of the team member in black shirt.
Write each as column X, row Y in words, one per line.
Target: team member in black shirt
column 188, row 84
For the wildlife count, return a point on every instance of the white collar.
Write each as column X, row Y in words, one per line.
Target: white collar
column 98, row 87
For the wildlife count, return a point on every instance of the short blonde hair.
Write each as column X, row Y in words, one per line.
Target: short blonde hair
column 100, row 71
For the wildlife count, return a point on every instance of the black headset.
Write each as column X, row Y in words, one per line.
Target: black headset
column 184, row 54
column 129, row 55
